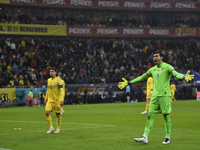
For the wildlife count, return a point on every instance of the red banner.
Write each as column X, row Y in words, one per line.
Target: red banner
column 115, row 4
column 129, row 31
column 41, row 2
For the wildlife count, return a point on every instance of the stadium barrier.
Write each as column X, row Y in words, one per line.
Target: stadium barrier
column 114, row 4
column 78, row 89
column 11, row 94
column 131, row 31
column 30, row 29
column 63, row 30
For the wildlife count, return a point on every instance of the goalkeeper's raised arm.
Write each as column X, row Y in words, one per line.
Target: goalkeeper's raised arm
column 122, row 85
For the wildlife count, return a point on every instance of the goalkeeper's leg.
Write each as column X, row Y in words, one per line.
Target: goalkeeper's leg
column 148, row 126
column 167, row 128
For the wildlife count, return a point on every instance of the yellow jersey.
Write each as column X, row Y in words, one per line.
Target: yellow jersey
column 54, row 89
column 21, row 82
column 149, row 85
column 172, row 87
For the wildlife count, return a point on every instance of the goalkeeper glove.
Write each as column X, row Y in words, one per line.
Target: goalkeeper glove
column 122, row 85
column 188, row 77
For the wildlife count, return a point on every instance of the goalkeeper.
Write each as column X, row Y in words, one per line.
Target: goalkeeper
column 161, row 97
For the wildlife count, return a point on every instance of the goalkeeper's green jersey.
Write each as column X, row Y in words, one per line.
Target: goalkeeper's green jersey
column 161, row 76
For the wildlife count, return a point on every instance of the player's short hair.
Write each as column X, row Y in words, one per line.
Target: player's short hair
column 158, row 52
column 53, row 68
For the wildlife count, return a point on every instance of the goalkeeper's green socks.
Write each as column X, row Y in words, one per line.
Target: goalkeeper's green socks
column 149, row 124
column 167, row 125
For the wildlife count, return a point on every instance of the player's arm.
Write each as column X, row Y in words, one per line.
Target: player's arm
column 187, row 77
column 61, row 93
column 46, row 98
column 122, row 85
column 63, row 97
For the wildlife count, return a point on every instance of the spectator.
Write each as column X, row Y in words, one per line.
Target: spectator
column 15, row 68
column 34, row 100
column 29, row 100
column 86, row 95
column 110, row 94
column 4, row 98
column 41, row 97
column 133, row 93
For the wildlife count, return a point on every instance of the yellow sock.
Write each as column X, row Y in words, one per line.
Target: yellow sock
column 147, row 107
column 58, row 122
column 49, row 120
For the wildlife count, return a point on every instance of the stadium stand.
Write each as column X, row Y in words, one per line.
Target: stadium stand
column 82, row 17
column 26, row 60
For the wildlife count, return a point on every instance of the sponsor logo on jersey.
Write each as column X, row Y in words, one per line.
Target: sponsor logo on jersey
column 54, row 81
column 154, row 69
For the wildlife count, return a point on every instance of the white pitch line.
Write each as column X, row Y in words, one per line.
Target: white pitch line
column 46, row 130
column 56, row 122
column 4, row 149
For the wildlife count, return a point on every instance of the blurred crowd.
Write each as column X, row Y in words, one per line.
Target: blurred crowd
column 136, row 21
column 26, row 61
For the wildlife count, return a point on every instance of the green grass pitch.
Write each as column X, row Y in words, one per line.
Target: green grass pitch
column 99, row 127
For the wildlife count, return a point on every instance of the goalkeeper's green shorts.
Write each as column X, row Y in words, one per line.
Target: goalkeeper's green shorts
column 160, row 104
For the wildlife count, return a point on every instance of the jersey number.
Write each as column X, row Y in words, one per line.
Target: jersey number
column 157, row 76
column 51, row 87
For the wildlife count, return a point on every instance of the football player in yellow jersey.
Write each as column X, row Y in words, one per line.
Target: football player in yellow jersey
column 149, row 93
column 173, row 89
column 53, row 99
column 63, row 83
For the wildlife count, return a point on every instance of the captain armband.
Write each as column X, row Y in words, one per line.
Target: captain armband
column 60, row 86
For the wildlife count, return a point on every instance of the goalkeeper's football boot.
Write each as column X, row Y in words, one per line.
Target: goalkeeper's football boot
column 143, row 139
column 166, row 141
